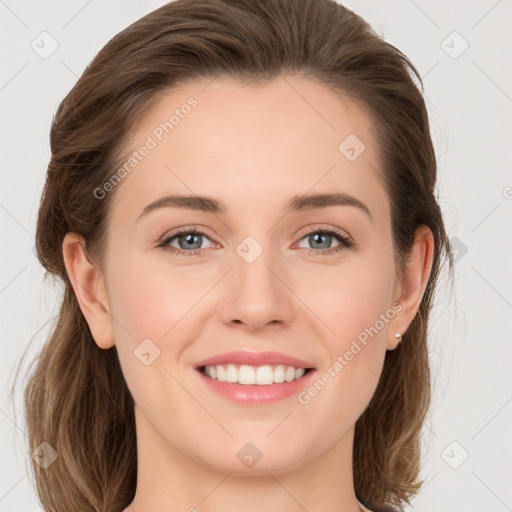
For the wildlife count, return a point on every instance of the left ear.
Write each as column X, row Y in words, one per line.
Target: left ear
column 410, row 290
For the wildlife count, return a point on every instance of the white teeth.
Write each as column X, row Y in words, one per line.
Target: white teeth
column 279, row 373
column 261, row 375
column 246, row 375
column 264, row 375
column 221, row 373
column 231, row 373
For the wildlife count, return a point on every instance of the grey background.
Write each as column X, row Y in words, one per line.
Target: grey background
column 467, row 440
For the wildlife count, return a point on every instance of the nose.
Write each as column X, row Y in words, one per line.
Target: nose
column 257, row 294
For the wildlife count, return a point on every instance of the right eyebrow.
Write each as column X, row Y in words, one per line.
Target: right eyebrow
column 200, row 203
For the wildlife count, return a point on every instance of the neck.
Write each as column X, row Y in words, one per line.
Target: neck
column 168, row 479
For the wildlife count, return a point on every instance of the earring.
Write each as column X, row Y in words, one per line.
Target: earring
column 398, row 337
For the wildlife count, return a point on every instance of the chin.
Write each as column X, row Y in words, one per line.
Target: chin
column 247, row 461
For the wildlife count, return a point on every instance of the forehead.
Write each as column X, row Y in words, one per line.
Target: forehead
column 249, row 144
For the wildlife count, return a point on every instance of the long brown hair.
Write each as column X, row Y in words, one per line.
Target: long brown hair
column 76, row 398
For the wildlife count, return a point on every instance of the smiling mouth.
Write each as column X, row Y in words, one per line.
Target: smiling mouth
column 265, row 375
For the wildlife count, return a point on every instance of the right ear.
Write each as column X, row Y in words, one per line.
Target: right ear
column 89, row 286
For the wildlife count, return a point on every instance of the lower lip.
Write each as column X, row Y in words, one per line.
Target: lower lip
column 256, row 394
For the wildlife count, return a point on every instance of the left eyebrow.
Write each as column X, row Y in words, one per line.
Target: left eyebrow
column 297, row 203
column 313, row 201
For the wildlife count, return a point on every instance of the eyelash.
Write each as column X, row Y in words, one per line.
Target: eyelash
column 345, row 242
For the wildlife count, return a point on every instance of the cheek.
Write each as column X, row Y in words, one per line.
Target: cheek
column 357, row 311
column 150, row 297
column 356, row 297
column 151, row 300
column 357, row 308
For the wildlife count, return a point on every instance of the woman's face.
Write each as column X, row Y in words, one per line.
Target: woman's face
column 262, row 274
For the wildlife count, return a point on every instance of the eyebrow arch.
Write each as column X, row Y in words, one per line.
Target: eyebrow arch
column 313, row 201
column 297, row 203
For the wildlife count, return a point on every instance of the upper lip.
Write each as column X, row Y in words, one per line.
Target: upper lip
column 254, row 359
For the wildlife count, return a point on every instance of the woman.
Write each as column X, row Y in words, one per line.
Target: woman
column 241, row 205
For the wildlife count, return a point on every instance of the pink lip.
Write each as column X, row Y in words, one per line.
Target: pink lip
column 255, row 394
column 254, row 359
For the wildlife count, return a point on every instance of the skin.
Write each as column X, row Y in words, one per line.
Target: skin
column 254, row 148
